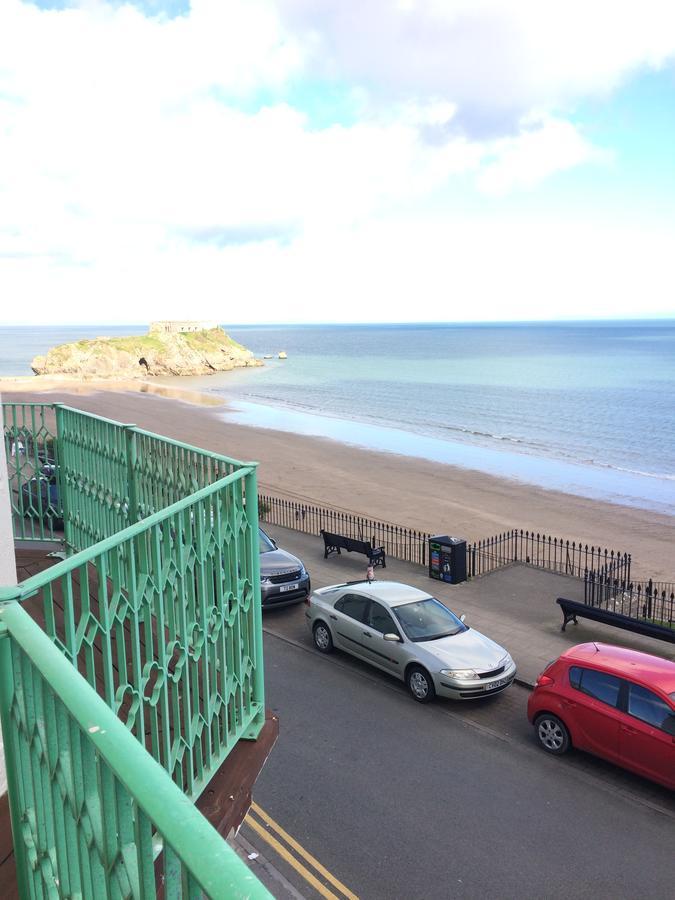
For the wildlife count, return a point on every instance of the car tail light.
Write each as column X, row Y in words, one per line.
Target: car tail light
column 544, row 681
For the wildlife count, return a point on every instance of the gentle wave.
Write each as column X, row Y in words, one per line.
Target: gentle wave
column 526, row 448
column 662, row 476
column 460, row 429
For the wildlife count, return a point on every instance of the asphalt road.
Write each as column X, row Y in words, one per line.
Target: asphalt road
column 400, row 800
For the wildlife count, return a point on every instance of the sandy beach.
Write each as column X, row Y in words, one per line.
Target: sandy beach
column 412, row 492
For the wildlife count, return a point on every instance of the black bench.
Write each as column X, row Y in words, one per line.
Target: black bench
column 573, row 608
column 334, row 543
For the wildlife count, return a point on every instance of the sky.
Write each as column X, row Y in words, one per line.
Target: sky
column 337, row 161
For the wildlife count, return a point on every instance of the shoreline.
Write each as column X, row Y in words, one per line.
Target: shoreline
column 410, row 491
column 604, row 483
column 39, row 384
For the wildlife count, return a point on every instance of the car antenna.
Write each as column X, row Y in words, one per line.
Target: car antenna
column 597, row 649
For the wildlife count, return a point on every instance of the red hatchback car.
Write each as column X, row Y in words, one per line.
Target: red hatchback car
column 610, row 701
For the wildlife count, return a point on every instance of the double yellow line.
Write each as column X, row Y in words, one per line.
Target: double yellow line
column 297, row 857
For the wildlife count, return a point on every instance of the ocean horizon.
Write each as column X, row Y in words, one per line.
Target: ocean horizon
column 586, row 408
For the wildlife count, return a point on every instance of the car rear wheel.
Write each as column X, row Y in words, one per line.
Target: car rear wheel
column 552, row 733
column 323, row 640
column 420, row 684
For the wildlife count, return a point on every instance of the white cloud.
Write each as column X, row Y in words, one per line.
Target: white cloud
column 524, row 161
column 449, row 267
column 496, row 59
column 133, row 172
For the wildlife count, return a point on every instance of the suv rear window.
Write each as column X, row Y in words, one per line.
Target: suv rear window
column 600, row 685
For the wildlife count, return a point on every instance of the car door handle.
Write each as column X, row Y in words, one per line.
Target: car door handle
column 570, row 704
column 367, row 634
column 334, row 618
column 628, row 730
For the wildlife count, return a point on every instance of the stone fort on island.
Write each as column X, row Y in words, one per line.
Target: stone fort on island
column 183, row 327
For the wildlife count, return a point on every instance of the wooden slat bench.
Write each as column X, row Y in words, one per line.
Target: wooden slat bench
column 334, row 543
column 573, row 608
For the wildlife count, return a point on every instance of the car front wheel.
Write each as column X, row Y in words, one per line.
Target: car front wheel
column 323, row 640
column 552, row 734
column 420, row 684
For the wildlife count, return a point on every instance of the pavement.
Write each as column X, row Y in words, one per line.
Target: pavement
column 514, row 606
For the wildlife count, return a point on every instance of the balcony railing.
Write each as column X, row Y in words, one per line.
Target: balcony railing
column 149, row 628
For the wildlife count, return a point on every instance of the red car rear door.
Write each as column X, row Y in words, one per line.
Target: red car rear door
column 645, row 746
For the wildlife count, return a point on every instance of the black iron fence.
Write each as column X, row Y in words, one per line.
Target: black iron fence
column 544, row 551
column 484, row 556
column 659, row 587
column 640, row 600
column 398, row 541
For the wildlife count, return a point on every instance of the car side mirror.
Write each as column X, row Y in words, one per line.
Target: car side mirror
column 394, row 638
column 669, row 724
column 462, row 618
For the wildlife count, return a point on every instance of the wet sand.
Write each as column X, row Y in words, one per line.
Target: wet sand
column 412, row 492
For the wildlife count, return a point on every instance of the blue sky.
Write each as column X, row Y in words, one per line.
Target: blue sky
column 285, row 160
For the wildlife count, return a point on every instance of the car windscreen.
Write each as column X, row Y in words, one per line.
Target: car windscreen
column 427, row 620
column 266, row 543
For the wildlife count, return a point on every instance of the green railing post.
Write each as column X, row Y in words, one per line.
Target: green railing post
column 59, row 409
column 132, row 458
column 60, row 493
column 251, row 489
column 11, row 766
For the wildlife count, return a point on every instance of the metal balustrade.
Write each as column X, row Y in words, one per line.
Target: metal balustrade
column 155, row 614
column 30, row 445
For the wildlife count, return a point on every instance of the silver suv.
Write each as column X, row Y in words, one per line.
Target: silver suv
column 283, row 577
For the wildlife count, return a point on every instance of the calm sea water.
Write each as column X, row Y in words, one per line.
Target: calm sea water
column 583, row 407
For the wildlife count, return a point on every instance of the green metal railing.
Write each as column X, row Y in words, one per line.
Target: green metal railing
column 113, row 475
column 92, row 815
column 156, row 610
column 30, row 447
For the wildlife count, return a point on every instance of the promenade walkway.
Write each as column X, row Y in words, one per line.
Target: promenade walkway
column 515, row 606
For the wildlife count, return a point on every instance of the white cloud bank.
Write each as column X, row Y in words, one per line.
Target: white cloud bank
column 134, row 183
column 493, row 58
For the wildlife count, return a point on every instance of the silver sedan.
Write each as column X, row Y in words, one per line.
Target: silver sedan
column 411, row 635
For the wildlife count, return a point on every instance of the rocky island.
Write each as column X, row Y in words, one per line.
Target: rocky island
column 169, row 348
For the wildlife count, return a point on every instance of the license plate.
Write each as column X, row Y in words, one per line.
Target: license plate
column 496, row 684
column 288, row 587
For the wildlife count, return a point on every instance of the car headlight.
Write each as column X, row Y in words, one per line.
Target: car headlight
column 460, row 674
column 303, row 570
column 506, row 661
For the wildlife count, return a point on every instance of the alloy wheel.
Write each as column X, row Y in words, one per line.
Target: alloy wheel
column 419, row 685
column 321, row 637
column 551, row 734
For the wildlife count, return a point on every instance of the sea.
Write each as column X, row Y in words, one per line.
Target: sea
column 587, row 408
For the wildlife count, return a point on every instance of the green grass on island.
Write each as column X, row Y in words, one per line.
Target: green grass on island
column 212, row 339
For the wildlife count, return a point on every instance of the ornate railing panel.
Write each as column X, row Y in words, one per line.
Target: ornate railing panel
column 112, row 475
column 32, row 463
column 94, row 476
column 164, row 471
column 156, row 615
column 162, row 620
column 92, row 815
